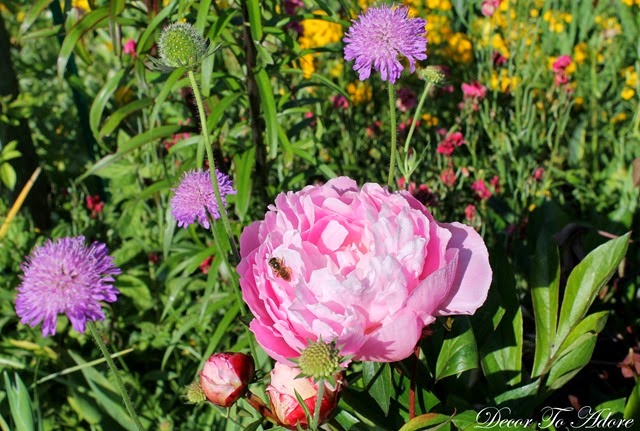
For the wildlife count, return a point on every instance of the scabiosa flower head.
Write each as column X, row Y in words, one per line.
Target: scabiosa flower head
column 65, row 277
column 195, row 197
column 380, row 36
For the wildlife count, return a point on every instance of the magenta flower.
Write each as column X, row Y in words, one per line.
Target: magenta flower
column 195, row 199
column 130, row 47
column 380, row 37
column 561, row 63
column 450, row 143
column 489, row 7
column 481, row 189
column 475, row 90
column 65, row 277
column 407, row 99
column 364, row 268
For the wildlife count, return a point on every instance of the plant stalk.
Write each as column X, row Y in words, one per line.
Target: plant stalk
column 394, row 133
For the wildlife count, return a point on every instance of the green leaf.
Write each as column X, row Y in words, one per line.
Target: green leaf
column 255, row 19
column 101, row 100
column 132, row 144
column 168, row 86
column 632, row 409
column 136, row 290
column 84, row 407
column 585, row 281
column 31, row 16
column 116, row 118
column 500, row 342
column 545, row 287
column 565, row 368
column 19, row 403
column 592, row 324
column 104, row 393
column 269, row 107
column 8, row 175
column 377, row 379
column 459, row 352
column 427, row 421
column 87, row 23
column 244, row 163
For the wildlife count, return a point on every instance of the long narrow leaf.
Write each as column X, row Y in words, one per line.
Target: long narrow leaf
column 89, row 22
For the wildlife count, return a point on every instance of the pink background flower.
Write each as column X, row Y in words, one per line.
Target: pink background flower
column 369, row 269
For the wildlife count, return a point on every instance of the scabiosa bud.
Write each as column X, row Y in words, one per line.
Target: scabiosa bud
column 226, row 377
column 180, row 44
column 433, row 74
column 282, row 394
column 195, row 200
column 65, row 277
column 380, row 37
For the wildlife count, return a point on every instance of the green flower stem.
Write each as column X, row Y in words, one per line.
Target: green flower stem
column 316, row 412
column 427, row 87
column 212, row 166
column 394, row 133
column 114, row 370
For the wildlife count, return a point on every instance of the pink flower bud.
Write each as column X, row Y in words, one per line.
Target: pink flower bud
column 226, row 376
column 285, row 405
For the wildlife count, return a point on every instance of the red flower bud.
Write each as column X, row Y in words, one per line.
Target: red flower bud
column 284, row 404
column 226, row 376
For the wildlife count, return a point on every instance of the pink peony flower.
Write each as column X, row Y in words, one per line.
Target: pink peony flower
column 130, row 47
column 364, row 268
column 285, row 405
column 475, row 90
column 225, row 377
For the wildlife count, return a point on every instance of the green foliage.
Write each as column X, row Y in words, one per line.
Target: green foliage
column 104, row 124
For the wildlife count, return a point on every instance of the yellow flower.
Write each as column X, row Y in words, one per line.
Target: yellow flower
column 318, row 33
column 307, row 65
column 628, row 2
column 336, row 71
column 459, row 48
column 444, row 5
column 359, row 92
column 630, row 76
column 578, row 101
column 81, row 4
column 534, row 13
column 430, row 120
column 498, row 44
column 619, row 117
column 438, row 29
column 503, row 82
column 627, row 93
column 580, row 53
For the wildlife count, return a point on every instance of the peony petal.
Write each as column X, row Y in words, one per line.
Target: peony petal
column 473, row 274
column 333, row 235
column 273, row 344
column 393, row 341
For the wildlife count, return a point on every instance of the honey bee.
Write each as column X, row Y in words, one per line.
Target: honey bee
column 279, row 268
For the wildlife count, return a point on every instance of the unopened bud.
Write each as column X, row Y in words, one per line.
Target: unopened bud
column 225, row 377
column 433, row 74
column 284, row 403
column 181, row 44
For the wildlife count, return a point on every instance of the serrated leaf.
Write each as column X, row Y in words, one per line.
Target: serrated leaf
column 377, row 379
column 459, row 352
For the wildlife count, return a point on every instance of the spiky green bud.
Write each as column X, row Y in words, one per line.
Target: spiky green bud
column 320, row 360
column 194, row 393
column 433, row 74
column 180, row 44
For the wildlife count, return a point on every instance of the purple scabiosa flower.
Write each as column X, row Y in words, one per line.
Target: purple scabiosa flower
column 195, row 197
column 380, row 36
column 65, row 277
